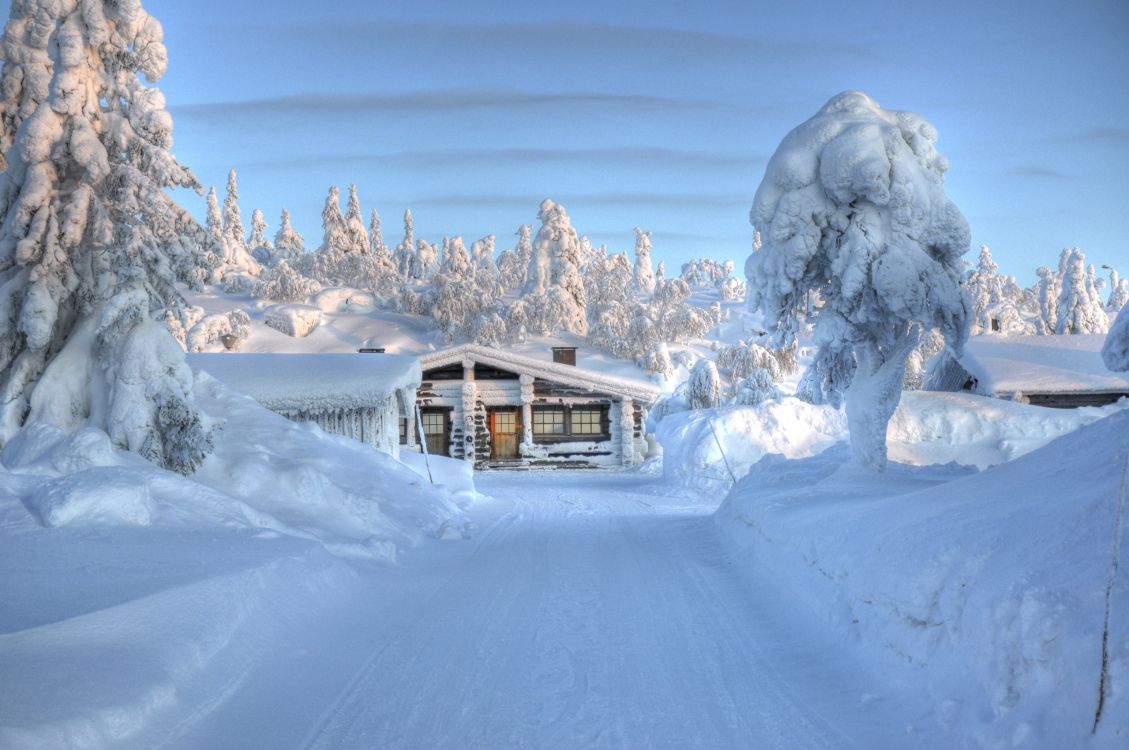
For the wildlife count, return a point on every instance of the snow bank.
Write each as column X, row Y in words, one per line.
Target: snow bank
column 293, row 319
column 345, row 300
column 711, row 449
column 987, row 590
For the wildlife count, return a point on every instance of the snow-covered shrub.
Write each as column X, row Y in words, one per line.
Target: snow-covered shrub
column 853, row 206
column 655, row 358
column 283, row 284
column 490, row 329
column 298, row 321
column 237, row 282
column 932, row 343
column 757, row 388
column 731, row 289
column 1115, row 351
column 179, row 326
column 703, row 389
column 743, row 360
column 212, row 328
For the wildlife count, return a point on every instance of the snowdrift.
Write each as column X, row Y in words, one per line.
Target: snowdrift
column 266, row 472
column 987, row 590
column 711, row 449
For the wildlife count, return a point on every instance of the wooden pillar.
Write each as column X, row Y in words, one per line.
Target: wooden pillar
column 627, row 432
column 470, row 397
column 526, row 409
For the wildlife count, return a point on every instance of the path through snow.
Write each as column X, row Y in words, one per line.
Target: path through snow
column 590, row 611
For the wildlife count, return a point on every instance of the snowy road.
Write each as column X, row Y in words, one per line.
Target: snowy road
column 589, row 611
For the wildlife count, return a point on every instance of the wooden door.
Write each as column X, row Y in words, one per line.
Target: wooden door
column 505, row 433
column 437, row 431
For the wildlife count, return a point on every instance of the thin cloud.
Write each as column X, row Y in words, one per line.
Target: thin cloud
column 577, row 38
column 630, row 157
column 453, row 100
column 1037, row 172
column 674, row 200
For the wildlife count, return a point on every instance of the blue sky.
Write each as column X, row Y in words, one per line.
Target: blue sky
column 659, row 115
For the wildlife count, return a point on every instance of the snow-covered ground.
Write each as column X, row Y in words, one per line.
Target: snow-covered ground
column 821, row 607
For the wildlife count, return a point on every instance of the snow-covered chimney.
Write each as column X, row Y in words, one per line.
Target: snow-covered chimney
column 564, row 355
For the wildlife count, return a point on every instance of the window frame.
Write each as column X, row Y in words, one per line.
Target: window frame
column 569, row 435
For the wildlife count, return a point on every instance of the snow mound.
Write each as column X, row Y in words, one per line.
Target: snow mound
column 711, row 449
column 266, row 473
column 108, row 495
column 294, row 320
column 987, row 590
column 345, row 300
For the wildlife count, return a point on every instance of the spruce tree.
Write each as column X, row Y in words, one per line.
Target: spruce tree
column 91, row 244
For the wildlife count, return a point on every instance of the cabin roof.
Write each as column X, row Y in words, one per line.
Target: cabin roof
column 572, row 375
column 312, row 382
column 1035, row 365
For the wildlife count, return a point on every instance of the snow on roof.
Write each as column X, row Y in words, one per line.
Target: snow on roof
column 312, row 382
column 1041, row 364
column 591, row 380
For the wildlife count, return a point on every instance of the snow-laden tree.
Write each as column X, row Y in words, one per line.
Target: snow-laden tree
column 214, row 221
column 25, row 79
column 703, row 389
column 375, row 235
column 554, row 274
column 853, row 206
column 1115, row 351
column 232, row 216
column 425, row 262
column 283, row 284
column 335, row 235
column 1118, row 295
column 91, row 244
column 261, row 248
column 406, row 250
column 1080, row 309
column 660, row 272
column 1048, row 290
column 644, row 276
column 288, row 244
column 357, row 240
column 755, row 389
column 482, row 253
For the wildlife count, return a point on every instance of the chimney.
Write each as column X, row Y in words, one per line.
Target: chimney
column 564, row 355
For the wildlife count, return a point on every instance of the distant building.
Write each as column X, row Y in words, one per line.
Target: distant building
column 361, row 396
column 1056, row 371
column 503, row 410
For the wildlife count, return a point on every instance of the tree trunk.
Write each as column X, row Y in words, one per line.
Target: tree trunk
column 874, row 394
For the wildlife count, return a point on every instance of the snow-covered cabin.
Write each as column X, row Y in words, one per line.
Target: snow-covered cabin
column 1058, row 371
column 361, row 396
column 504, row 410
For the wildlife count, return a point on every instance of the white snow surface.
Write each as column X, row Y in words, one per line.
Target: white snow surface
column 312, row 382
column 1041, row 364
column 985, row 593
column 713, row 448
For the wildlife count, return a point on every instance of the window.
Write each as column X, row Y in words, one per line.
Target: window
column 587, row 422
column 563, row 423
column 548, row 421
column 434, row 423
column 403, row 430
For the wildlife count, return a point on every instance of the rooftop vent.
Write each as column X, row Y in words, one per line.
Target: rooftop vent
column 564, row 355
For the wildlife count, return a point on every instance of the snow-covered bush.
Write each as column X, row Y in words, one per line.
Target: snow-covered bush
column 91, row 243
column 743, row 360
column 703, row 389
column 655, row 358
column 853, row 206
column 1115, row 351
column 298, row 321
column 758, row 387
column 283, row 284
column 212, row 328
